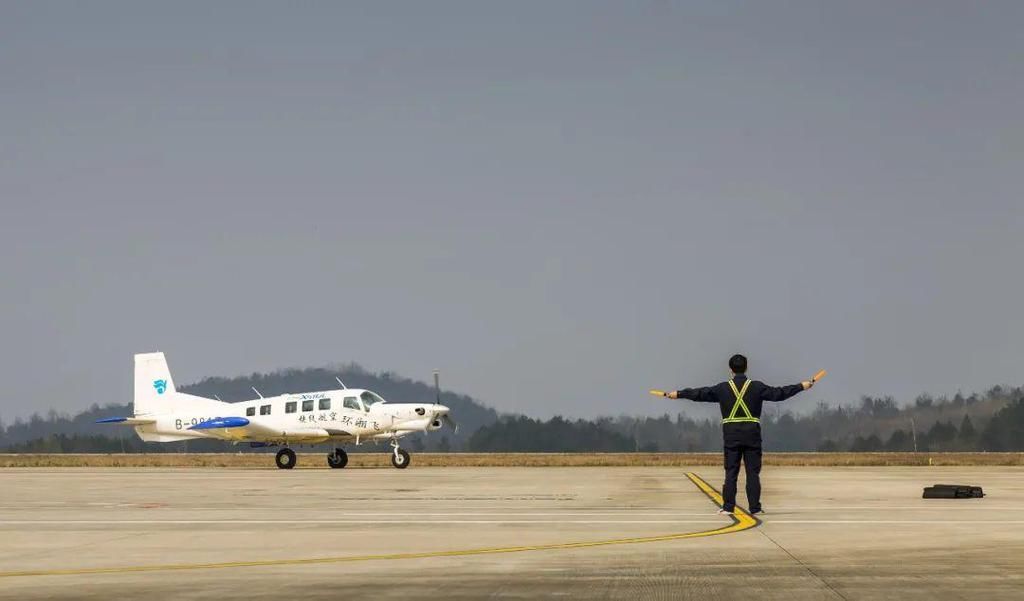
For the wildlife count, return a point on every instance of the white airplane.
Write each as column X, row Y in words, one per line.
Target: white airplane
column 343, row 416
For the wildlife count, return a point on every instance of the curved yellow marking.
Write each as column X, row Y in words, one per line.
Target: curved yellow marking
column 741, row 518
column 741, row 521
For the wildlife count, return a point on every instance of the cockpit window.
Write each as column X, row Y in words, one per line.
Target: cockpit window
column 352, row 402
column 370, row 398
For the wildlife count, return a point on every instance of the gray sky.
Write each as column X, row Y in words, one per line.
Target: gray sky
column 559, row 204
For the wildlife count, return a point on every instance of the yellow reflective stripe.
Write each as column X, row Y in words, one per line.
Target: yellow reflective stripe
column 740, row 404
column 739, row 399
column 735, row 405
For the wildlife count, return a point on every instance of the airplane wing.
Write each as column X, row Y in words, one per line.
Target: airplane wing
column 128, row 421
column 245, row 429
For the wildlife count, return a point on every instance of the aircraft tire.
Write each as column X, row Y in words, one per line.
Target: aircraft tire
column 338, row 459
column 401, row 461
column 285, row 459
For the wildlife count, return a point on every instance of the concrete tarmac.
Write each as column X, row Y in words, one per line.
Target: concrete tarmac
column 470, row 533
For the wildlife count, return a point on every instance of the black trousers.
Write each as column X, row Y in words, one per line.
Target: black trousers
column 742, row 442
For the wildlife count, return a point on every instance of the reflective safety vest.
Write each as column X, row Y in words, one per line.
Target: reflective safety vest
column 740, row 406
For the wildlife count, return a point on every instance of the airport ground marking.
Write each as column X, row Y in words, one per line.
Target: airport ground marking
column 741, row 520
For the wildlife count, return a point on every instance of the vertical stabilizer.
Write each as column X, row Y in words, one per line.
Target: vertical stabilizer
column 154, row 388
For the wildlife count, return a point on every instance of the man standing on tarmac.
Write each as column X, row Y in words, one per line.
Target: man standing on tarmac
column 740, row 400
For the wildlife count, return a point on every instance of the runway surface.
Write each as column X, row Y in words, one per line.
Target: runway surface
column 577, row 533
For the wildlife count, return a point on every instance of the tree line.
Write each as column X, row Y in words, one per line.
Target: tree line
column 57, row 433
column 991, row 421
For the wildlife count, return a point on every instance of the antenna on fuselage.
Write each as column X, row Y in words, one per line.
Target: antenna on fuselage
column 340, row 382
column 256, row 391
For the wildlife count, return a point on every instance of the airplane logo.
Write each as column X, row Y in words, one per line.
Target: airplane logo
column 160, row 385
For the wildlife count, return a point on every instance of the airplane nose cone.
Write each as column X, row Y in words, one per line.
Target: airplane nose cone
column 441, row 410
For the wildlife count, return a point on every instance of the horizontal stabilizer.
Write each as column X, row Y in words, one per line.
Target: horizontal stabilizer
column 128, row 421
column 221, row 422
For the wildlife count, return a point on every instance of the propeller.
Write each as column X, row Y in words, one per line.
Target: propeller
column 437, row 401
column 437, row 387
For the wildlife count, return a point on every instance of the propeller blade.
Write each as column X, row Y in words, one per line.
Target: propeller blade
column 451, row 422
column 437, row 387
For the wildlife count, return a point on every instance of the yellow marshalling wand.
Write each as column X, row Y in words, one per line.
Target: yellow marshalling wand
column 657, row 392
column 818, row 376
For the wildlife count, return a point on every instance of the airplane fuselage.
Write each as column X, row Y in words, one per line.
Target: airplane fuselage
column 344, row 415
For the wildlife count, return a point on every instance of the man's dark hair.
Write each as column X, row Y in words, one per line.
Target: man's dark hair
column 738, row 364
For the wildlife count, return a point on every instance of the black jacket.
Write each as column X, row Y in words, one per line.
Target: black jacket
column 756, row 395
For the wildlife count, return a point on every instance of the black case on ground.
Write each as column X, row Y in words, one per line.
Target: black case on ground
column 952, row 491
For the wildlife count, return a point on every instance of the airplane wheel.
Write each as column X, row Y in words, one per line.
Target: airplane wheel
column 285, row 459
column 338, row 459
column 401, row 461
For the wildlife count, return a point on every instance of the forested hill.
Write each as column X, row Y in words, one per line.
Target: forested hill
column 993, row 421
column 469, row 413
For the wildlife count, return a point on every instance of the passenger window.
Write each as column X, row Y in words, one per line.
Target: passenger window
column 290, row 406
column 264, row 409
column 352, row 402
column 307, row 405
column 250, row 411
column 325, row 404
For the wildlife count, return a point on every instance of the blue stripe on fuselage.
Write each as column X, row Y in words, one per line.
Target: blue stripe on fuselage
column 221, row 422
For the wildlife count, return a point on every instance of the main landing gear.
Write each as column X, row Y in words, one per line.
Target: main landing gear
column 338, row 459
column 285, row 459
column 399, row 457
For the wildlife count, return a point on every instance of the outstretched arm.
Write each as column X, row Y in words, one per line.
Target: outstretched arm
column 776, row 394
column 701, row 395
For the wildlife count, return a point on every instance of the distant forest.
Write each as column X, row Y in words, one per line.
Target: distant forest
column 990, row 422
column 993, row 421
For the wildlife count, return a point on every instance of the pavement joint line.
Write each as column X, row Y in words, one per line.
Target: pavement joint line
column 931, row 522
column 741, row 520
column 806, row 567
column 358, row 522
column 776, row 510
column 326, row 522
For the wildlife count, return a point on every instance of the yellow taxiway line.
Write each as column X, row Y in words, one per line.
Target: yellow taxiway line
column 741, row 521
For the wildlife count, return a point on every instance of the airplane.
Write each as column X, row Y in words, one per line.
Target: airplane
column 341, row 416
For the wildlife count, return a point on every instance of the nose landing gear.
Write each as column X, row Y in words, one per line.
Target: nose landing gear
column 399, row 457
column 285, row 459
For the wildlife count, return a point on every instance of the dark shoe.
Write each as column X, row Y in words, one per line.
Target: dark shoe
column 758, row 511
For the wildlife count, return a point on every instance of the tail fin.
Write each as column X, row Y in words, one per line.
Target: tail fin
column 154, row 388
